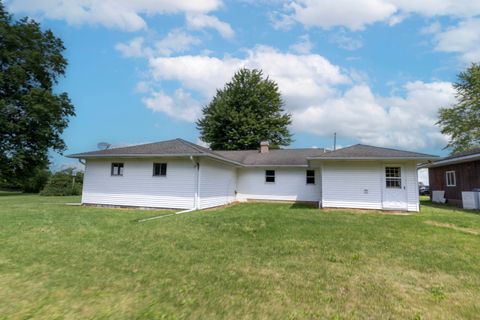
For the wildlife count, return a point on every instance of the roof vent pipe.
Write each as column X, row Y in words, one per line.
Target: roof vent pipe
column 264, row 147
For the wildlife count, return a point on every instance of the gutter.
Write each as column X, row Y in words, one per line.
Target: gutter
column 196, row 164
column 196, row 205
column 371, row 158
column 441, row 162
column 93, row 156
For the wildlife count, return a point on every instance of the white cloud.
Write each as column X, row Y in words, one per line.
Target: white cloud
column 430, row 8
column 181, row 105
column 352, row 14
column 404, row 121
column 175, row 41
column 463, row 39
column 345, row 42
column 305, row 76
column 432, row 28
column 322, row 97
column 120, row 14
column 132, row 49
column 303, row 46
column 201, row 21
column 356, row 15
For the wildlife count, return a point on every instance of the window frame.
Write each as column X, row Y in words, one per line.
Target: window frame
column 161, row 164
column 396, row 180
column 453, row 175
column 270, row 176
column 307, row 176
column 120, row 169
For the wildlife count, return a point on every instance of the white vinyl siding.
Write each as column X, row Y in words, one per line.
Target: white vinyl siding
column 352, row 185
column 413, row 198
column 290, row 185
column 218, row 183
column 356, row 184
column 137, row 186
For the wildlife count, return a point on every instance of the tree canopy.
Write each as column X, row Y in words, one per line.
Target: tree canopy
column 32, row 115
column 249, row 109
column 461, row 122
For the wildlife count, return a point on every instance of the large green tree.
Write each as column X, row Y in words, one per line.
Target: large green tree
column 461, row 122
column 32, row 115
column 249, row 109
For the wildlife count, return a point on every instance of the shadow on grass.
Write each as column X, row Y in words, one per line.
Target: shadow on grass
column 446, row 206
column 12, row 193
column 303, row 205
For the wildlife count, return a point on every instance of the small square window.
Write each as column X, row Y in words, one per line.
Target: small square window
column 117, row 169
column 450, row 177
column 270, row 176
column 310, row 176
column 159, row 169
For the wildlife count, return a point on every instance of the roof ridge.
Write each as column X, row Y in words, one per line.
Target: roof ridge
column 385, row 148
column 269, row 150
column 134, row 145
column 194, row 146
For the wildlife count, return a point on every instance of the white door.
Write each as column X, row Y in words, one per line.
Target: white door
column 394, row 190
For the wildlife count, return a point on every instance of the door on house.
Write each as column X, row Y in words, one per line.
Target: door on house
column 394, row 188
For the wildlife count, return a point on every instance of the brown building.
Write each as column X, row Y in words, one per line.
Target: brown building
column 455, row 173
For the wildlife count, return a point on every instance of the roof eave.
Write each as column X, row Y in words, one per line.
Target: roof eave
column 276, row 165
column 463, row 159
column 374, row 158
column 176, row 155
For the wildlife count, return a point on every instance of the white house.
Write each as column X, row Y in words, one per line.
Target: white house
column 183, row 175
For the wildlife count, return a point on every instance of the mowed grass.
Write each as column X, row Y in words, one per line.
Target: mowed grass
column 248, row 261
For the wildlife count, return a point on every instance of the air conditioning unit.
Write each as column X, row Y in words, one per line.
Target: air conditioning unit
column 471, row 199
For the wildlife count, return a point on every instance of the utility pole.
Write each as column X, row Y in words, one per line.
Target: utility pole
column 334, row 141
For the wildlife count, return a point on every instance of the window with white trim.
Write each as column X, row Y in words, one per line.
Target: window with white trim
column 270, row 176
column 393, row 177
column 310, row 176
column 117, row 169
column 450, row 179
column 159, row 169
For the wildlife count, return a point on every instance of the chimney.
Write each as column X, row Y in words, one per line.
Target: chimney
column 264, row 147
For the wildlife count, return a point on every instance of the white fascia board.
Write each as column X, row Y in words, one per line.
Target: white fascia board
column 440, row 163
column 106, row 156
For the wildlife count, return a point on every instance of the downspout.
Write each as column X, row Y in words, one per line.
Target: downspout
column 84, row 162
column 196, row 205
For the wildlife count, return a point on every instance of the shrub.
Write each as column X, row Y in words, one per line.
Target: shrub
column 64, row 184
column 36, row 183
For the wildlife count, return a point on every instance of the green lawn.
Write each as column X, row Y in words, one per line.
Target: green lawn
column 248, row 261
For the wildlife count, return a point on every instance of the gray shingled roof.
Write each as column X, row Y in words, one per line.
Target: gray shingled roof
column 361, row 151
column 176, row 147
column 459, row 157
column 461, row 154
column 180, row 147
column 275, row 157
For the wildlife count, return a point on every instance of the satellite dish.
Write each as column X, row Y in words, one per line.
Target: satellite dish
column 103, row 145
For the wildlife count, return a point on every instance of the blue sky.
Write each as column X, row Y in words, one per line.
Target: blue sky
column 374, row 71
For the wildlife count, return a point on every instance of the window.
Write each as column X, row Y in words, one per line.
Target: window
column 159, row 169
column 393, row 177
column 117, row 169
column 450, row 177
column 270, row 176
column 310, row 176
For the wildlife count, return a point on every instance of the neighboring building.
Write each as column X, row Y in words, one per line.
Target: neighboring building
column 183, row 175
column 454, row 174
